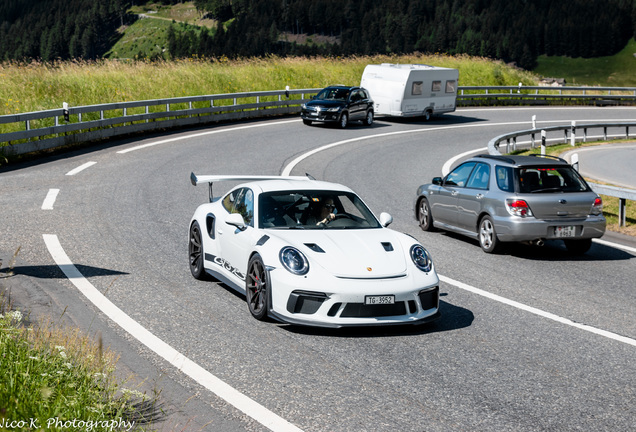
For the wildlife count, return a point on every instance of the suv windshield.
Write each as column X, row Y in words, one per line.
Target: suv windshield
column 559, row 178
column 310, row 209
column 333, row 94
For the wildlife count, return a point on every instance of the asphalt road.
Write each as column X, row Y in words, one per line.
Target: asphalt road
column 530, row 340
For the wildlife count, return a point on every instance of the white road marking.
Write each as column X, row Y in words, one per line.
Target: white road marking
column 232, row 396
column 196, row 135
column 538, row 312
column 50, row 199
column 80, row 168
column 615, row 245
column 287, row 170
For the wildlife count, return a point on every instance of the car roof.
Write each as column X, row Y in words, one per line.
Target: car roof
column 518, row 161
column 293, row 184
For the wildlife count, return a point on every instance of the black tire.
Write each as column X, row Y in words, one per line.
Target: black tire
column 487, row 235
column 344, row 120
column 424, row 215
column 428, row 116
column 195, row 252
column 578, row 247
column 307, row 122
column 257, row 288
column 368, row 120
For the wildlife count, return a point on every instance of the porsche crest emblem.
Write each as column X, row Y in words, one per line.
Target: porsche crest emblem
column 369, row 269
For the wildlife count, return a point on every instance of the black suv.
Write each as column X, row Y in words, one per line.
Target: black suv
column 339, row 104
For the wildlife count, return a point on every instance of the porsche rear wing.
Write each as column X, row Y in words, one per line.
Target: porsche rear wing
column 210, row 179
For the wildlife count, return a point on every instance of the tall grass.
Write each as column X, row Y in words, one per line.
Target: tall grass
column 54, row 377
column 27, row 87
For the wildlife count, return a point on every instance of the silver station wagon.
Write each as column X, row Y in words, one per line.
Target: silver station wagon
column 498, row 199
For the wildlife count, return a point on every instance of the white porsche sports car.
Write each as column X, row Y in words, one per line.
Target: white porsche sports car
column 309, row 252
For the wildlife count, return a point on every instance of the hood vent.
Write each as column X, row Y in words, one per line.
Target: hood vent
column 314, row 247
column 387, row 246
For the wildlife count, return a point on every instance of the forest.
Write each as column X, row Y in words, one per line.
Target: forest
column 512, row 31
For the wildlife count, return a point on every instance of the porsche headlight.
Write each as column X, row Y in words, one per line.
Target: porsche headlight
column 294, row 261
column 421, row 258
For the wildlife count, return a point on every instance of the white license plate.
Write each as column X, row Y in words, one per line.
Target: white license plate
column 378, row 300
column 564, row 231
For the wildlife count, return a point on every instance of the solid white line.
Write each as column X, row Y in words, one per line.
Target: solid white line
column 80, row 168
column 232, row 396
column 449, row 163
column 50, row 199
column 196, row 135
column 287, row 170
column 615, row 245
column 538, row 312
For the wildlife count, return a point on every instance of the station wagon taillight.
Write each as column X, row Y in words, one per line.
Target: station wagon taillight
column 518, row 207
column 597, row 207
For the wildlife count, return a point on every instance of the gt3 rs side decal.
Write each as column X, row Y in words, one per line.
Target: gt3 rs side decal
column 226, row 265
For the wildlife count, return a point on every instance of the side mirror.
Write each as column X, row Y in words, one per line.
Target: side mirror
column 437, row 181
column 385, row 219
column 236, row 220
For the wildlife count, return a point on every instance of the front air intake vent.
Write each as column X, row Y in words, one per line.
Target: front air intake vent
column 387, row 246
column 314, row 247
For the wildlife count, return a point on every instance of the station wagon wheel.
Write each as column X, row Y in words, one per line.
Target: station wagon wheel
column 195, row 250
column 487, row 236
column 257, row 288
column 344, row 120
column 368, row 121
column 424, row 215
column 578, row 247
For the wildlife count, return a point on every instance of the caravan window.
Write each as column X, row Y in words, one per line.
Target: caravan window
column 450, row 86
column 417, row 88
column 437, row 86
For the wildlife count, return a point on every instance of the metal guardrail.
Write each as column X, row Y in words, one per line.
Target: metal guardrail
column 623, row 194
column 44, row 130
column 542, row 95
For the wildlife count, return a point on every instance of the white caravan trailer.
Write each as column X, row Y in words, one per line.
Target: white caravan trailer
column 409, row 90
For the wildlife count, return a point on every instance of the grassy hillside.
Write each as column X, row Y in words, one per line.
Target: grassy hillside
column 40, row 86
column 615, row 71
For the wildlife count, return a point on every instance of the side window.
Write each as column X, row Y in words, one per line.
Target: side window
column 241, row 201
column 450, row 86
column 504, row 179
column 244, row 206
column 437, row 86
column 416, row 88
column 230, row 199
column 480, row 177
column 459, row 175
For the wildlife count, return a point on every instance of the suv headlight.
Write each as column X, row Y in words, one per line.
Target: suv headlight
column 334, row 109
column 421, row 258
column 294, row 260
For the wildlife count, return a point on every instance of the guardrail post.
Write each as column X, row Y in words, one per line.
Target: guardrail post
column 514, row 144
column 543, row 142
column 565, row 133
column 626, row 131
column 573, row 134
column 605, row 133
column 622, row 202
column 584, row 134
column 532, row 145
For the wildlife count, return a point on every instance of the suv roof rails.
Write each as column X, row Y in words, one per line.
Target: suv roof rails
column 549, row 157
column 496, row 157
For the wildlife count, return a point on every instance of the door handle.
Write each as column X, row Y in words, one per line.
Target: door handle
column 479, row 196
column 453, row 193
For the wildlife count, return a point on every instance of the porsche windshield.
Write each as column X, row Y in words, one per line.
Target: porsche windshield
column 314, row 210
